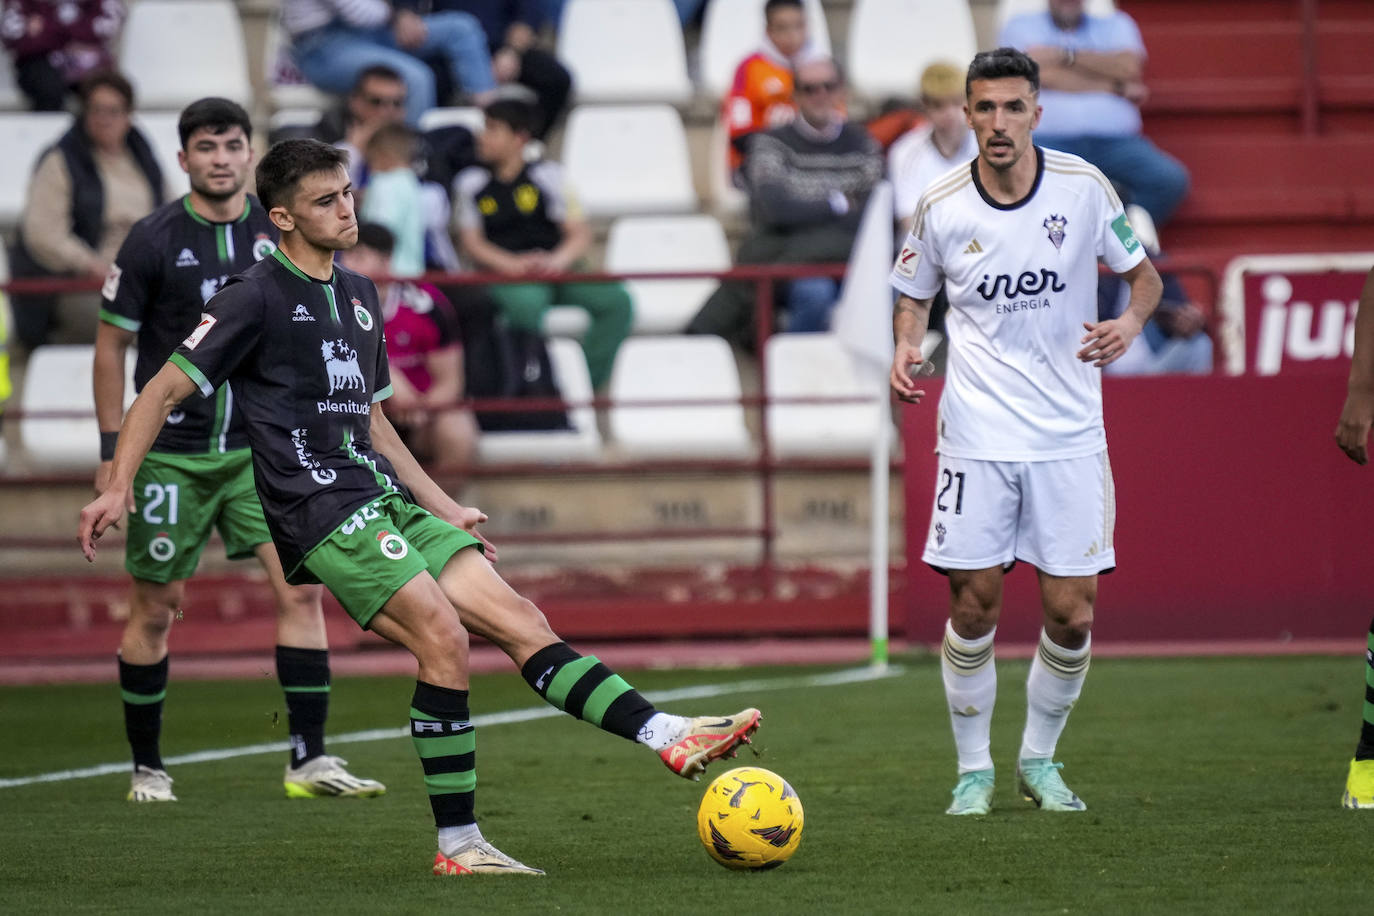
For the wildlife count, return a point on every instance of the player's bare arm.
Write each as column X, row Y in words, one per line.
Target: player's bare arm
column 107, row 377
column 1357, row 414
column 910, row 318
column 163, row 392
column 1106, row 341
column 427, row 493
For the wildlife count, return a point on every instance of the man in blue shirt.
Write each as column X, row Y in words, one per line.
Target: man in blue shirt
column 1091, row 71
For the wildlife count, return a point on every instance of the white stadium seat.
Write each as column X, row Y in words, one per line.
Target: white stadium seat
column 160, row 127
column 731, row 30
column 286, row 87
column 582, row 442
column 818, row 365
column 644, row 244
column 58, row 377
column 26, row 135
column 892, row 41
column 677, row 368
column 624, row 51
column 727, row 198
column 465, row 116
column 1008, row 8
column 11, row 99
column 177, row 51
column 623, row 159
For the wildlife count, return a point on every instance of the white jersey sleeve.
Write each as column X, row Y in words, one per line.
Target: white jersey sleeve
column 919, row 269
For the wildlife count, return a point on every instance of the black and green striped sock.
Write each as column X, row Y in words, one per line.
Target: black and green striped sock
column 447, row 745
column 1365, row 750
column 586, row 689
column 304, row 677
column 143, row 687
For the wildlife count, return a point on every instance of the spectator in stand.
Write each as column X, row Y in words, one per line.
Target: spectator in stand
column 87, row 191
column 512, row 30
column 925, row 153
column 808, row 182
column 521, row 220
column 424, row 349
column 378, row 100
column 1091, row 74
column 57, row 45
column 1175, row 338
column 333, row 41
column 393, row 198
column 760, row 98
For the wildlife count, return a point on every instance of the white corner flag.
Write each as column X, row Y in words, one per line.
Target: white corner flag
column 862, row 320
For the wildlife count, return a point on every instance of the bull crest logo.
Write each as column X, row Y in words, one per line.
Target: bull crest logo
column 1054, row 228
column 341, row 362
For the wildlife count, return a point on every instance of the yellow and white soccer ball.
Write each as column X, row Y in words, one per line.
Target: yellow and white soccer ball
column 750, row 818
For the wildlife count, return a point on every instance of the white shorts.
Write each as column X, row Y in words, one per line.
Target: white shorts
column 1057, row 516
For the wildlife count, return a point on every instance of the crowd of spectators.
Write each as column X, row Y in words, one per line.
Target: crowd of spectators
column 808, row 170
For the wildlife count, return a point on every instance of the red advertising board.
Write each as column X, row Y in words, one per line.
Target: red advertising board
column 1291, row 313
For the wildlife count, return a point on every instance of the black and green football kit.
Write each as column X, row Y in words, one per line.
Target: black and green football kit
column 198, row 476
column 305, row 360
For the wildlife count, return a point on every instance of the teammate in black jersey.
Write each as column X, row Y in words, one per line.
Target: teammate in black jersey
column 199, row 476
column 300, row 342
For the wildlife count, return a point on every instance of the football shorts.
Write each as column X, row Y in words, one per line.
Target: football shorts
column 1056, row 515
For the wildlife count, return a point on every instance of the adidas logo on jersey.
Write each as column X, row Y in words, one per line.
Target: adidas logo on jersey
column 301, row 314
column 187, row 258
column 973, row 248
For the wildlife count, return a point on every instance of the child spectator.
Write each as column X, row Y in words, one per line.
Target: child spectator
column 393, row 198
column 425, row 356
column 760, row 97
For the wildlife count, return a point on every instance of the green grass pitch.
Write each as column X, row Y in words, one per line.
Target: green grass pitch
column 1212, row 785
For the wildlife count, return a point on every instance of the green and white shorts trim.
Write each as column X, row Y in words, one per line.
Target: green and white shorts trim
column 180, row 499
column 382, row 546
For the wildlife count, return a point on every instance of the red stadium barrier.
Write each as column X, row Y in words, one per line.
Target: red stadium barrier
column 1237, row 516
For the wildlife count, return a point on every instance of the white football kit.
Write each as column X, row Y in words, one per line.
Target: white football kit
column 1021, row 280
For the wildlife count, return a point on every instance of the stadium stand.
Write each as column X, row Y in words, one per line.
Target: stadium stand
column 166, row 56
column 58, row 378
column 465, row 116
column 10, row 97
column 732, row 30
column 677, row 369
column 644, row 244
column 160, row 127
column 26, row 135
column 628, row 159
column 580, row 443
column 625, row 51
column 818, row 366
column 1008, row 8
column 892, row 41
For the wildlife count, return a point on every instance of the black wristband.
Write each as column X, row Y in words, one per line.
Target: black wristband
column 107, row 445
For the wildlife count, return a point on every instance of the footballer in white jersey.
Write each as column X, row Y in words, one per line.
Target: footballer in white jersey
column 1021, row 280
column 1015, row 238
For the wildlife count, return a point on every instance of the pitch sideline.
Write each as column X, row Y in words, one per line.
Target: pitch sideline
column 509, row 717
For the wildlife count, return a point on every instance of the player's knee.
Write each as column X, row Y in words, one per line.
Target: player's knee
column 441, row 643
column 154, row 607
column 1069, row 624
column 301, row 604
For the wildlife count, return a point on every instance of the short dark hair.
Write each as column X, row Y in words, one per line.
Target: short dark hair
column 517, row 114
column 394, row 138
column 287, row 162
column 377, row 237
column 215, row 115
column 772, row 5
column 108, row 79
column 1002, row 63
column 376, row 71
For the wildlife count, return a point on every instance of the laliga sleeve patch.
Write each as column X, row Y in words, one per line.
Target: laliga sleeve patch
column 907, row 261
column 111, row 287
column 1125, row 233
column 206, row 323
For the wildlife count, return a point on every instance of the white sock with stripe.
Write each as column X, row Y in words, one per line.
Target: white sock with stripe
column 1055, row 681
column 970, row 677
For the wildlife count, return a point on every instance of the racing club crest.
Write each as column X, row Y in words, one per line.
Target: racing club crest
column 1054, row 228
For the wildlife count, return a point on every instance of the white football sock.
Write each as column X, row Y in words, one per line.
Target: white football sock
column 453, row 840
column 663, row 730
column 1055, row 681
column 970, row 677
